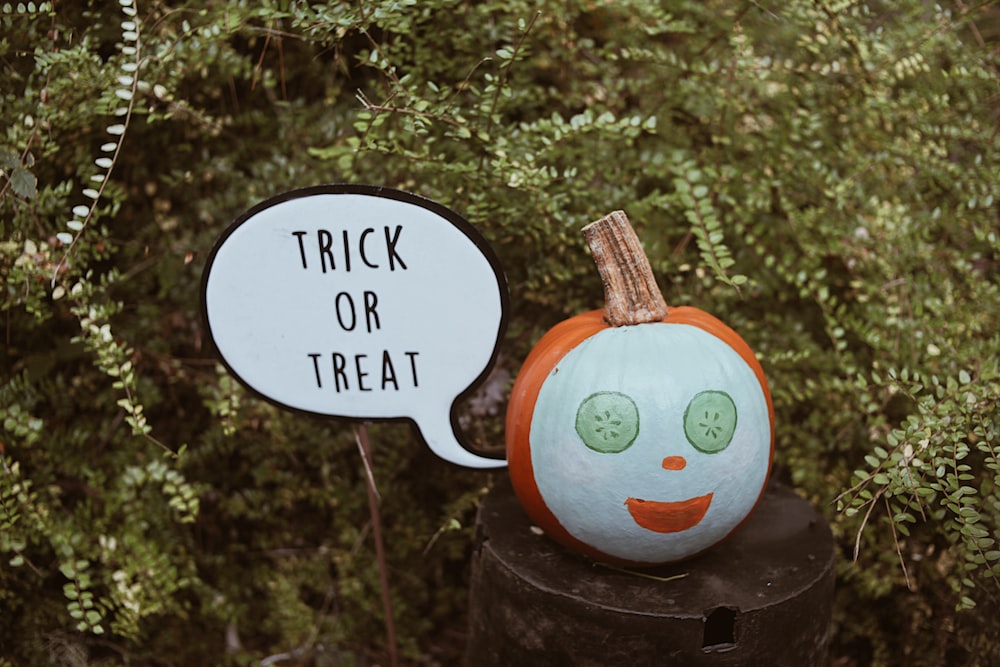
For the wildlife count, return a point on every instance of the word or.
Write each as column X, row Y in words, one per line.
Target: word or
column 347, row 314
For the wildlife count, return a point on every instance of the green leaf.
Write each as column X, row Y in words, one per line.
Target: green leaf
column 23, row 183
column 9, row 159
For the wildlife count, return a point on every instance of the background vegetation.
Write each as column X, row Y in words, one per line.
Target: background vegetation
column 822, row 174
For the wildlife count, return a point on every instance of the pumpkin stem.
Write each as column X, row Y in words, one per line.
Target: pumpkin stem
column 631, row 295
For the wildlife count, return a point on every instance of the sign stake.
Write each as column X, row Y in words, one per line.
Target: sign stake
column 364, row 447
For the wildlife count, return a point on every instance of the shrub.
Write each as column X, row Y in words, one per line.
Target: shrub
column 822, row 175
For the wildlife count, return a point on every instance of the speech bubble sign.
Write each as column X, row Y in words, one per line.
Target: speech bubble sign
column 359, row 302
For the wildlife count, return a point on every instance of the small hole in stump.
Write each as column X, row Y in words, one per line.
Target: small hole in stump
column 720, row 629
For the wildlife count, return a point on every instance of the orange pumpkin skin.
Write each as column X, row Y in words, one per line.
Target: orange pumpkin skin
column 542, row 359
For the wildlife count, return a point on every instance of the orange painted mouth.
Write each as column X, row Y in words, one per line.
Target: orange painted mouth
column 663, row 517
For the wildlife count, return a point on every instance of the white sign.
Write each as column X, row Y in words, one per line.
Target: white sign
column 359, row 302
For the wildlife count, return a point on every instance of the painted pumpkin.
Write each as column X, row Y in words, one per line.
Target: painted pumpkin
column 639, row 434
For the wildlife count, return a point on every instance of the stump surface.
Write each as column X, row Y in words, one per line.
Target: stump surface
column 764, row 596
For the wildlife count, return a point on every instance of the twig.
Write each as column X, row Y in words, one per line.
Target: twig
column 126, row 121
column 644, row 575
column 290, row 655
column 385, row 108
column 864, row 522
column 361, row 439
column 464, row 85
column 895, row 540
column 506, row 71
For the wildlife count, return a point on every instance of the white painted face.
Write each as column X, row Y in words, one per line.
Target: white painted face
column 651, row 443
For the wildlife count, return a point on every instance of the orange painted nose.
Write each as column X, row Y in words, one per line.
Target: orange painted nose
column 674, row 463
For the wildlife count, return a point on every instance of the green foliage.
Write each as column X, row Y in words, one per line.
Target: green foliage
column 822, row 175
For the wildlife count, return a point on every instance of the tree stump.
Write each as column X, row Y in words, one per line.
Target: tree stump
column 762, row 597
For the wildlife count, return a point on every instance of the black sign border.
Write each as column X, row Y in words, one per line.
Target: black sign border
column 386, row 192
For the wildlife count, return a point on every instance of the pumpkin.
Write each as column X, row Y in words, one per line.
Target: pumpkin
column 638, row 434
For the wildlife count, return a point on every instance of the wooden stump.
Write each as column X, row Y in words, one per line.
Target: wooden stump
column 763, row 597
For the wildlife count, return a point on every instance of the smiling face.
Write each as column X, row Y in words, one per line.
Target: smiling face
column 651, row 443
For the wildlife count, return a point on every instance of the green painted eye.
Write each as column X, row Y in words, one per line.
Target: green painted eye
column 710, row 421
column 607, row 422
